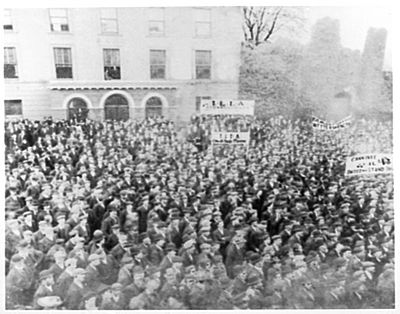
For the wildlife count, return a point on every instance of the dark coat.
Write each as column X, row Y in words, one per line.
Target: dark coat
column 74, row 296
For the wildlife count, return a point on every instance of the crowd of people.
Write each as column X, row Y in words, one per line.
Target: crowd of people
column 131, row 215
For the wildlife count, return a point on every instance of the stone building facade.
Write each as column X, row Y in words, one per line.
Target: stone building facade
column 119, row 63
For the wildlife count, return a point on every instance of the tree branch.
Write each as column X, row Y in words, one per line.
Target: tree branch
column 271, row 29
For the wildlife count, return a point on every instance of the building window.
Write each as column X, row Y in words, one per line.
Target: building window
column 202, row 22
column 13, row 107
column 10, row 63
column 59, row 20
column 7, row 23
column 156, row 22
column 112, row 64
column 63, row 61
column 108, row 20
column 203, row 64
column 198, row 101
column 157, row 64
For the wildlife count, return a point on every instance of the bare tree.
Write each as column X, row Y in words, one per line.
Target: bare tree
column 260, row 23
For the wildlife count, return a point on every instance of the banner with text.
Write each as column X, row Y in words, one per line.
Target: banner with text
column 227, row 107
column 369, row 164
column 232, row 138
column 320, row 124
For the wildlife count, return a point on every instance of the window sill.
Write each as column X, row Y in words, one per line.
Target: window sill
column 60, row 33
column 110, row 34
column 202, row 37
column 156, row 35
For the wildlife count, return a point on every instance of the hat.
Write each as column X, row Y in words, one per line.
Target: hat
column 135, row 250
column 170, row 247
column 276, row 236
column 253, row 280
column 254, row 258
column 225, row 282
column 157, row 237
column 252, row 219
column 138, row 270
column 237, row 269
column 27, row 213
column 205, row 245
column 296, row 228
column 115, row 226
column 79, row 271
column 45, row 274
column 60, row 216
column 116, row 286
column 16, row 258
column 151, row 270
column 174, row 215
column 60, row 253
column 93, row 257
column 358, row 273
column 188, row 244
column 143, row 236
column 368, row 264
column 177, row 259
column 98, row 235
column 126, row 259
column 340, row 261
column 49, row 301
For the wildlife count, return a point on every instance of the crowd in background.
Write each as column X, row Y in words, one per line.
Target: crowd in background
column 132, row 215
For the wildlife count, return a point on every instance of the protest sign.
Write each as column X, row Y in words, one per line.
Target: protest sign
column 233, row 138
column 319, row 124
column 226, row 107
column 364, row 164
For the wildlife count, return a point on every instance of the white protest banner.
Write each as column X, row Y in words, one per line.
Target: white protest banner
column 226, row 107
column 233, row 138
column 320, row 124
column 344, row 123
column 369, row 164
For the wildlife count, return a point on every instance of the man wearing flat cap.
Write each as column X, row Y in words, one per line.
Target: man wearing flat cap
column 75, row 292
column 114, row 299
column 235, row 253
column 93, row 277
column 20, row 283
column 157, row 249
column 46, row 282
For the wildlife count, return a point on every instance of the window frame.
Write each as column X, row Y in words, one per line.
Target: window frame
column 66, row 17
column 20, row 111
column 151, row 20
column 12, row 29
column 210, row 65
column 202, row 22
column 71, row 62
column 15, row 64
column 109, row 19
column 158, row 65
column 118, row 66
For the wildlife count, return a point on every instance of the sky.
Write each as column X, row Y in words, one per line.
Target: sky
column 354, row 24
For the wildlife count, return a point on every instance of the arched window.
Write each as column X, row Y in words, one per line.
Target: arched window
column 77, row 109
column 116, row 108
column 153, row 107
